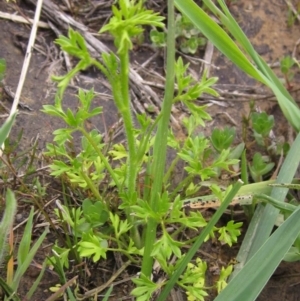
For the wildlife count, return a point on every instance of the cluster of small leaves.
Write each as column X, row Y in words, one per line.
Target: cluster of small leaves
column 197, row 151
column 225, row 273
column 286, row 65
column 262, row 124
column 145, row 288
column 227, row 234
column 189, row 90
column 127, row 22
column 90, row 230
column 188, row 37
column 193, row 280
column 260, row 166
column 74, row 45
column 87, row 162
column 222, row 138
column 230, row 232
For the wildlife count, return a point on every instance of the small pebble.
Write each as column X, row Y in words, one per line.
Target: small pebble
column 19, row 217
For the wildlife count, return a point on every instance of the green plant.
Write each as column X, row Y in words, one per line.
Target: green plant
column 292, row 15
column 262, row 124
column 2, row 69
column 257, row 242
column 92, row 234
column 7, row 223
column 188, row 37
column 26, row 254
column 260, row 167
column 141, row 234
column 222, row 139
column 11, row 204
column 286, row 65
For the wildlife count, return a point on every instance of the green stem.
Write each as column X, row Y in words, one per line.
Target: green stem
column 124, row 108
column 120, row 90
column 181, row 185
column 160, row 145
column 120, row 250
column 92, row 186
column 100, row 67
column 171, row 169
column 132, row 168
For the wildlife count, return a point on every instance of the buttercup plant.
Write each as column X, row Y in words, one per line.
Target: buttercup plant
column 136, row 236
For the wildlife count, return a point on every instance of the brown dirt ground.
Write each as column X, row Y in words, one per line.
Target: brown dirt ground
column 264, row 22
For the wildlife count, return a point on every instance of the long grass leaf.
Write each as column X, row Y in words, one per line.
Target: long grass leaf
column 8, row 291
column 226, row 45
column 107, row 294
column 264, row 218
column 37, row 281
column 217, row 36
column 230, row 23
column 285, row 100
column 6, row 127
column 160, row 143
column 7, row 221
column 285, row 175
column 24, row 246
column 253, row 277
column 24, row 261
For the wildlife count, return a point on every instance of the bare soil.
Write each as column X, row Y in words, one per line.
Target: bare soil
column 264, row 22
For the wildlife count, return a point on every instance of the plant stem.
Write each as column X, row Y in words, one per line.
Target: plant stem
column 171, row 169
column 92, row 186
column 181, row 185
column 132, row 167
column 124, row 108
column 160, row 145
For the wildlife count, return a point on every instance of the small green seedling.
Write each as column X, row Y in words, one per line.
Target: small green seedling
column 158, row 38
column 262, row 124
column 292, row 15
column 286, row 65
column 222, row 139
column 260, row 167
column 188, row 37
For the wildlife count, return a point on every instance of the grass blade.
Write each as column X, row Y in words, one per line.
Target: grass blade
column 37, row 281
column 217, row 36
column 264, row 218
column 8, row 291
column 257, row 271
column 6, row 127
column 107, row 294
column 261, row 72
column 24, row 260
column 7, row 221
